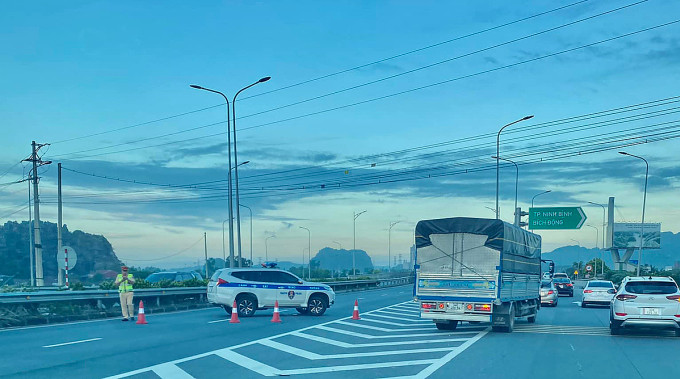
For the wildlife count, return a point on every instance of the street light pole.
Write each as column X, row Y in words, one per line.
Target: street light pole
column 231, row 208
column 238, row 212
column 498, row 154
column 354, row 248
column 389, row 244
column 224, row 252
column 538, row 194
column 597, row 238
column 338, row 243
column 309, row 251
column 266, row 248
column 644, row 203
column 251, row 232
column 579, row 256
column 604, row 220
column 516, row 177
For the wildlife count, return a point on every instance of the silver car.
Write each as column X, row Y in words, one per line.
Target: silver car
column 549, row 293
column 652, row 302
column 598, row 292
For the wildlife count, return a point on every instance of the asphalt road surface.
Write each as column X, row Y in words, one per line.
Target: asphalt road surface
column 389, row 341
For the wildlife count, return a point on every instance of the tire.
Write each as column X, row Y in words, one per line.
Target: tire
column 614, row 326
column 316, row 305
column 451, row 325
column 302, row 310
column 227, row 309
column 246, row 305
column 510, row 327
column 532, row 319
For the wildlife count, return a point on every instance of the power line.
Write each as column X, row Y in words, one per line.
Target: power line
column 166, row 257
column 409, row 90
column 334, row 73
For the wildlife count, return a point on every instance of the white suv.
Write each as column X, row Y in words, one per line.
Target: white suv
column 646, row 302
column 254, row 289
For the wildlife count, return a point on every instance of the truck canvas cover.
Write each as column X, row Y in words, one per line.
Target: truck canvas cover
column 520, row 250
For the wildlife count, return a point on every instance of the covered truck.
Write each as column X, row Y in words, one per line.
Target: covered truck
column 476, row 270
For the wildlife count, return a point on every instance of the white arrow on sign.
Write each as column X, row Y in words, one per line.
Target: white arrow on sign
column 72, row 257
column 583, row 217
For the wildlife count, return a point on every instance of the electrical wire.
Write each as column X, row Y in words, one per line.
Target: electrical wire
column 166, row 257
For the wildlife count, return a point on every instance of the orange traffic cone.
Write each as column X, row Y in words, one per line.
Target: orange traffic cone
column 355, row 314
column 234, row 315
column 141, row 319
column 277, row 317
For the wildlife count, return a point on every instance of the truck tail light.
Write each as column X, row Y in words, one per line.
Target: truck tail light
column 673, row 297
column 428, row 305
column 624, row 297
column 221, row 281
column 469, row 307
column 587, row 291
column 441, row 305
column 483, row 307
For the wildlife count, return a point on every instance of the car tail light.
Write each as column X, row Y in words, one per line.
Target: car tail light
column 551, row 292
column 624, row 297
column 587, row 291
column 621, row 314
column 483, row 307
column 569, row 285
column 221, row 281
column 673, row 297
column 428, row 305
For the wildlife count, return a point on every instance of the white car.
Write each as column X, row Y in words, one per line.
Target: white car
column 652, row 302
column 598, row 292
column 260, row 288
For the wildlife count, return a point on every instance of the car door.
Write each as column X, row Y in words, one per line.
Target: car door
column 289, row 292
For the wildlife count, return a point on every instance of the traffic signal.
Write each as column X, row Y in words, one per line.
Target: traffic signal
column 518, row 217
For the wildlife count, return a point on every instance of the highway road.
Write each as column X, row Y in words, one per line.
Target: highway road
column 389, row 341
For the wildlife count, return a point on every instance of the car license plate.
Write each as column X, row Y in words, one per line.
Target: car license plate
column 650, row 311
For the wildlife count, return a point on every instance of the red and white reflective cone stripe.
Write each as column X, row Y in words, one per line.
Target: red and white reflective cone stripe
column 355, row 314
column 141, row 318
column 234, row 315
column 276, row 317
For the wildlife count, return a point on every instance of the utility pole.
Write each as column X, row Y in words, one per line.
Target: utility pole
column 59, row 220
column 40, row 281
column 205, row 244
column 30, row 231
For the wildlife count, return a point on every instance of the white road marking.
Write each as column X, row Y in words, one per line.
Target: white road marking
column 572, row 347
column 73, row 343
column 393, row 323
column 407, row 318
column 170, row 371
column 333, row 342
column 359, row 325
column 212, row 322
column 434, row 333
column 314, row 356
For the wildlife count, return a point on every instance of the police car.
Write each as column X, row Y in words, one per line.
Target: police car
column 260, row 288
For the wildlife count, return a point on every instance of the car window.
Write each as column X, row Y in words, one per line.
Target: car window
column 251, row 276
column 216, row 275
column 651, row 288
column 561, row 280
column 546, row 284
column 281, row 277
column 187, row 276
column 601, row 284
column 157, row 277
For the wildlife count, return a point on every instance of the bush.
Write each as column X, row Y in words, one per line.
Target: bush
column 107, row 285
column 78, row 286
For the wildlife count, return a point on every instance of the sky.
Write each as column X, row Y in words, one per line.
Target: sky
column 391, row 107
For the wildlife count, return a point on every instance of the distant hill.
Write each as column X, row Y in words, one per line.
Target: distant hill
column 666, row 256
column 94, row 252
column 338, row 260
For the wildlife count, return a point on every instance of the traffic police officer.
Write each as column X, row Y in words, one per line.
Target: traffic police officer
column 124, row 281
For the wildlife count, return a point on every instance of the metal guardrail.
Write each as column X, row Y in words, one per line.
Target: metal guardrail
column 52, row 296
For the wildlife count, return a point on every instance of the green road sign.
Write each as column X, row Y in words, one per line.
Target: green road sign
column 556, row 218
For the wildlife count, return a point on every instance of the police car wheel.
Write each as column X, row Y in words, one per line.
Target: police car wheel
column 316, row 306
column 302, row 310
column 246, row 305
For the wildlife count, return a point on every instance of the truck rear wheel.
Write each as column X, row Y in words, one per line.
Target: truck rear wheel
column 450, row 325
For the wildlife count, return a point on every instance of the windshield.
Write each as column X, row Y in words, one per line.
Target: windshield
column 651, row 288
column 601, row 284
column 157, row 277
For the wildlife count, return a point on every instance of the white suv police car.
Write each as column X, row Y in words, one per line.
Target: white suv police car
column 260, row 288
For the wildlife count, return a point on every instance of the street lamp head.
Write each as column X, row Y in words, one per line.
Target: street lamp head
column 527, row 117
column 195, row 86
column 623, row 153
column 548, row 191
column 264, row 79
column 246, row 162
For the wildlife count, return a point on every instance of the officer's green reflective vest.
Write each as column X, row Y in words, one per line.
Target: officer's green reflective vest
column 124, row 286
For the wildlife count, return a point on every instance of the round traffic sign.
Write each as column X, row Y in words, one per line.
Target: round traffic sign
column 72, row 257
column 589, row 268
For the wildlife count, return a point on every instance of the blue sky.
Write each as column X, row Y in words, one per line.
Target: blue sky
column 77, row 71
